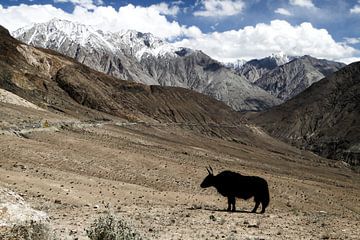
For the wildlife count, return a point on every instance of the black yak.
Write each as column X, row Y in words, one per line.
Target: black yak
column 232, row 185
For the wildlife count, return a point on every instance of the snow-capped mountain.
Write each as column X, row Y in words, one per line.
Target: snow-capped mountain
column 56, row 33
column 144, row 58
column 281, row 58
column 275, row 59
column 254, row 69
column 237, row 64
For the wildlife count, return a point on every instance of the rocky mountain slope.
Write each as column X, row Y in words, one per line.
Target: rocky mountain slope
column 287, row 80
column 140, row 57
column 197, row 71
column 324, row 118
column 254, row 69
column 53, row 81
column 87, row 46
column 286, row 76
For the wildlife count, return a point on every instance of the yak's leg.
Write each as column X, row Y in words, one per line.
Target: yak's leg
column 257, row 203
column 262, row 208
column 231, row 204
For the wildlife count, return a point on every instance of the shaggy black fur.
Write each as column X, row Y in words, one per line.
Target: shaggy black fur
column 232, row 185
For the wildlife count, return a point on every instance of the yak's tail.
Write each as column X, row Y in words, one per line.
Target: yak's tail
column 266, row 197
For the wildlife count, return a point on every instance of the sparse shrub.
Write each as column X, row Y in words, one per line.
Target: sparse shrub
column 109, row 227
column 28, row 231
column 131, row 117
column 46, row 124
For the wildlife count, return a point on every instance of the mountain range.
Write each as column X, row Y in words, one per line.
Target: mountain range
column 62, row 85
column 284, row 76
column 288, row 80
column 323, row 118
column 143, row 58
column 254, row 69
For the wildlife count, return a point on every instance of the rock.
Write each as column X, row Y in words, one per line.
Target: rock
column 324, row 236
column 253, row 224
column 15, row 211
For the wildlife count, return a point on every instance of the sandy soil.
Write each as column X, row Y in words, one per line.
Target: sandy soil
column 150, row 176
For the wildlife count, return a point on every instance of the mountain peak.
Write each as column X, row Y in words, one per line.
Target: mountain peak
column 281, row 58
column 59, row 32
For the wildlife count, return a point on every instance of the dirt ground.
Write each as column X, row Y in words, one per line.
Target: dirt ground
column 150, row 176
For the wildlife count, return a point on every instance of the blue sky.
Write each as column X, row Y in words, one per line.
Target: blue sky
column 226, row 30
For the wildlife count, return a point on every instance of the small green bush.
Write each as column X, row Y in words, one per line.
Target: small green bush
column 109, row 227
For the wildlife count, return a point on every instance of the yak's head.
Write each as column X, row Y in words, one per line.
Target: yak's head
column 209, row 180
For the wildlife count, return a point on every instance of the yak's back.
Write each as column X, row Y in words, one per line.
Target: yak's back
column 246, row 186
column 229, row 175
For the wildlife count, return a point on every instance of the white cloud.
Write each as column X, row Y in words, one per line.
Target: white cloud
column 88, row 4
column 265, row 39
column 349, row 60
column 219, row 8
column 283, row 11
column 144, row 19
column 352, row 40
column 302, row 3
column 356, row 8
column 14, row 17
column 165, row 9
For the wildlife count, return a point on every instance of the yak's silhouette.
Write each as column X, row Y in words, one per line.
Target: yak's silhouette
column 231, row 185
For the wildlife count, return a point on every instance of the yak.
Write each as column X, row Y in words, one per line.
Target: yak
column 234, row 185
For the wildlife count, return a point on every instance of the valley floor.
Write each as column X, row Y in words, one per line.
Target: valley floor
column 150, row 176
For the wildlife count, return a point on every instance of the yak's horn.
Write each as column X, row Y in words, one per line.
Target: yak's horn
column 210, row 170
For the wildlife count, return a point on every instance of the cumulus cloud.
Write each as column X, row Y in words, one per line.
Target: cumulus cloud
column 219, row 8
column 15, row 17
column 356, row 9
column 88, row 4
column 143, row 19
column 302, row 3
column 165, row 9
column 265, row 39
column 283, row 11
